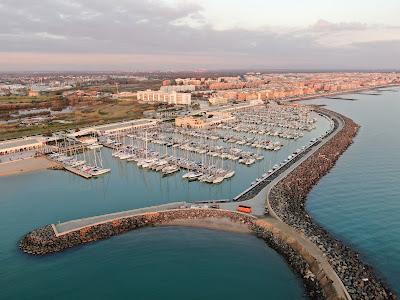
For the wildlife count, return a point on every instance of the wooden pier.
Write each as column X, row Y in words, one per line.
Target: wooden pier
column 78, row 172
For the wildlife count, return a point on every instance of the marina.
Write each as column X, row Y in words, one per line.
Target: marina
column 213, row 155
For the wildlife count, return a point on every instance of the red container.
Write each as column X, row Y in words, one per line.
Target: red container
column 244, row 209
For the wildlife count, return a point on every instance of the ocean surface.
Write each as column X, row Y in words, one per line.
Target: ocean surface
column 154, row 263
column 359, row 200
column 168, row 263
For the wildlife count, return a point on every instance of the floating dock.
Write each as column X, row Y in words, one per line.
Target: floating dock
column 78, row 172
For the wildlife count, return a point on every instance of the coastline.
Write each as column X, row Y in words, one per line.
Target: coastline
column 339, row 93
column 26, row 165
column 286, row 202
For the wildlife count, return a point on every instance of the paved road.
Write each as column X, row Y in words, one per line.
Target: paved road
column 307, row 248
column 65, row 227
column 258, row 202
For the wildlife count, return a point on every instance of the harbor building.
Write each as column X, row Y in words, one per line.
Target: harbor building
column 173, row 98
column 113, row 128
column 121, row 127
column 203, row 122
column 21, row 145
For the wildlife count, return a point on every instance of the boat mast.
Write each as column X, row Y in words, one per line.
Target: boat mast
column 146, row 143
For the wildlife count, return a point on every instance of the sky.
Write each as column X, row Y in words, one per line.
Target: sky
column 150, row 35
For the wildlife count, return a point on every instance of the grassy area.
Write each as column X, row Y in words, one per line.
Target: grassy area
column 82, row 117
column 153, row 84
column 23, row 99
column 86, row 112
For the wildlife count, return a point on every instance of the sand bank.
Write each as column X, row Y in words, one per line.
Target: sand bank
column 224, row 224
column 25, row 165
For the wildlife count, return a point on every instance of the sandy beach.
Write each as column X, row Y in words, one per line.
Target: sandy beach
column 25, row 166
column 223, row 224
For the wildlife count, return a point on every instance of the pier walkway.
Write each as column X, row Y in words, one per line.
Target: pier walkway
column 70, row 226
column 258, row 197
column 314, row 256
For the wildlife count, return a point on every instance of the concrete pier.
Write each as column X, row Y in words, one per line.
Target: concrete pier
column 78, row 172
column 76, row 225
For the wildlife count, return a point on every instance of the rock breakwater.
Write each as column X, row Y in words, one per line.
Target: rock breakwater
column 44, row 240
column 316, row 284
column 287, row 199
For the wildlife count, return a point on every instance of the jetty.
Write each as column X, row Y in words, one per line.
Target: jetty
column 341, row 98
column 78, row 172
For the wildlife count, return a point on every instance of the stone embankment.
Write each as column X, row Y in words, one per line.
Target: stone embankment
column 318, row 284
column 287, row 199
column 44, row 240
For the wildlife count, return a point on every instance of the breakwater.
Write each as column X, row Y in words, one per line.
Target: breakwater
column 44, row 240
column 287, row 199
column 318, row 282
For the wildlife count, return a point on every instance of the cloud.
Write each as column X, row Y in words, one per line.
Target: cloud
column 326, row 26
column 349, row 35
column 153, row 34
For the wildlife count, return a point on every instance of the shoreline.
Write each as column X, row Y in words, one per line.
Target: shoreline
column 26, row 165
column 45, row 240
column 213, row 223
column 286, row 201
column 339, row 93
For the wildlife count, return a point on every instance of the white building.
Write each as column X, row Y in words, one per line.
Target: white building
column 173, row 98
column 127, row 126
column 21, row 145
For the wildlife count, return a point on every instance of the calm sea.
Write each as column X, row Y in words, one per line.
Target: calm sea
column 359, row 200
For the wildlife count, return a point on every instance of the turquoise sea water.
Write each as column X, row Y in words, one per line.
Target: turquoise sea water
column 155, row 263
column 168, row 263
column 359, row 200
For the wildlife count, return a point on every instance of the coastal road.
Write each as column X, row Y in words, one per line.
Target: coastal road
column 258, row 202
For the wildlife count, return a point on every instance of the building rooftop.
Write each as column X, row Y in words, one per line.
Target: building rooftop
column 124, row 124
column 19, row 143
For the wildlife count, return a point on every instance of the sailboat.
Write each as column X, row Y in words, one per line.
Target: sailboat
column 98, row 169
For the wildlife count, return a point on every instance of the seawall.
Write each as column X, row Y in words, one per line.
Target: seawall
column 286, row 202
column 44, row 240
column 317, row 282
